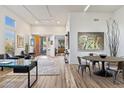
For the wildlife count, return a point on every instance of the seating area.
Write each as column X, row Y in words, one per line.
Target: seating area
column 49, row 46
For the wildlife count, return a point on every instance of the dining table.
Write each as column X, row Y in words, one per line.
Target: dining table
column 110, row 59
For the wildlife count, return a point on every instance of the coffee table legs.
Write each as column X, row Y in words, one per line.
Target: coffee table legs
column 30, row 85
column 1, row 68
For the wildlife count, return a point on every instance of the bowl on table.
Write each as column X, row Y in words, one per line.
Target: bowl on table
column 103, row 55
column 91, row 54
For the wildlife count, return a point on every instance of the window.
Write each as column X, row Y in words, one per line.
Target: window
column 10, row 25
column 10, row 22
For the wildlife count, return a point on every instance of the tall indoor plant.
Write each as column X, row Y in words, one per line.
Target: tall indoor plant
column 113, row 34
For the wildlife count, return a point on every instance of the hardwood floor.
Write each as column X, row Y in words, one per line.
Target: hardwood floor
column 68, row 78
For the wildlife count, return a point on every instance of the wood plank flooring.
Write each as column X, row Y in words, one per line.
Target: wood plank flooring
column 68, row 78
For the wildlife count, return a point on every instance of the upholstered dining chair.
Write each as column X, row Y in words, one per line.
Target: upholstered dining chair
column 94, row 62
column 83, row 65
column 115, row 68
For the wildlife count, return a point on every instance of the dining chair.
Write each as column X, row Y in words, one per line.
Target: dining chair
column 114, row 68
column 94, row 62
column 83, row 65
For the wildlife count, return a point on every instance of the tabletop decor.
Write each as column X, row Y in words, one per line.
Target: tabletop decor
column 103, row 55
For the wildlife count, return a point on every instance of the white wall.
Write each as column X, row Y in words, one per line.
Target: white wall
column 85, row 23
column 22, row 28
column 48, row 30
column 119, row 17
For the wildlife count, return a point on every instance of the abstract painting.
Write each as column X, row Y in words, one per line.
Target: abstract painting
column 61, row 43
column 90, row 41
column 9, row 42
column 20, row 41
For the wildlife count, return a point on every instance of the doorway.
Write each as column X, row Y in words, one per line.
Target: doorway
column 59, row 45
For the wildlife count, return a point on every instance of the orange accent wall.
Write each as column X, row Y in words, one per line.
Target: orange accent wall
column 37, row 45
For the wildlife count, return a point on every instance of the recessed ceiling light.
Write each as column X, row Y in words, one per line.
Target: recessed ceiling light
column 58, row 22
column 36, row 22
column 45, row 21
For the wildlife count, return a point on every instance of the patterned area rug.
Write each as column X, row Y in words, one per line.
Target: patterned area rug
column 46, row 67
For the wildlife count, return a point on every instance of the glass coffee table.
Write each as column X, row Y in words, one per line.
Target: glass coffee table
column 21, row 66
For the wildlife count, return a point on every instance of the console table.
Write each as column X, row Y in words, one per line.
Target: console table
column 21, row 66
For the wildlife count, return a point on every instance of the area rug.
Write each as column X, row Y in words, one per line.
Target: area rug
column 46, row 67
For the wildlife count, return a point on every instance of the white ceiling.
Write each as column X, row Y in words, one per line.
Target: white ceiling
column 54, row 14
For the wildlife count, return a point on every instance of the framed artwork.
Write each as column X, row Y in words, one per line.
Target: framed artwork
column 51, row 42
column 61, row 43
column 90, row 41
column 9, row 42
column 20, row 41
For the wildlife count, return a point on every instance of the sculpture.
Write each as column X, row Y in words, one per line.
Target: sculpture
column 113, row 34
